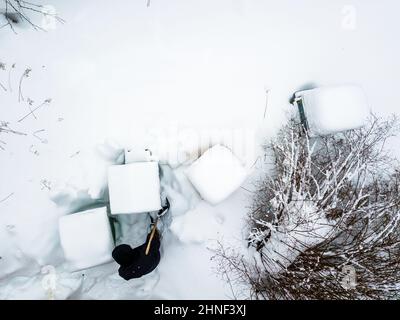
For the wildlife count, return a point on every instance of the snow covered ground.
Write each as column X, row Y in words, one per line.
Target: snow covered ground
column 174, row 73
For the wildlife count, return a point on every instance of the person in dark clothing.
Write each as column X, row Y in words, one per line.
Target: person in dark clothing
column 134, row 262
column 137, row 262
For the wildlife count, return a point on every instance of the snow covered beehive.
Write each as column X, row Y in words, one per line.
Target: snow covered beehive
column 86, row 238
column 216, row 174
column 328, row 110
column 134, row 187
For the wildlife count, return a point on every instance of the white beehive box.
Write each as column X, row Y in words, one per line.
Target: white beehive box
column 333, row 109
column 86, row 238
column 216, row 174
column 134, row 187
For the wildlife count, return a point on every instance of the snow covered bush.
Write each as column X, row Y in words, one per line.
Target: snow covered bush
column 331, row 205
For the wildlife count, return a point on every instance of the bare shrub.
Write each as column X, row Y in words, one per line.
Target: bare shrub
column 331, row 204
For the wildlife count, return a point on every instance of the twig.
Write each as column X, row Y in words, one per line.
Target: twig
column 45, row 184
column 2, row 67
column 9, row 77
column 19, row 11
column 230, row 285
column 255, row 162
column 75, row 154
column 47, row 101
column 266, row 102
column 30, row 102
column 3, row 87
column 9, row 22
column 24, row 75
column 33, row 150
column 246, row 189
column 4, row 128
column 7, row 197
column 36, row 136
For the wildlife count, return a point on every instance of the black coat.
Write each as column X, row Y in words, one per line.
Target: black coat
column 134, row 263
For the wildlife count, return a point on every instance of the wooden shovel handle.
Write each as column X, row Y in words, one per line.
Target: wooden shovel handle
column 153, row 231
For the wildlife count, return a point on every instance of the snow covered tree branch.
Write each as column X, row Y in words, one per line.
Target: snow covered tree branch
column 17, row 11
column 332, row 202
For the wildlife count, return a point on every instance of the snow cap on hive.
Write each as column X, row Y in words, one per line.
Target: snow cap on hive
column 333, row 109
column 216, row 174
column 86, row 238
column 134, row 187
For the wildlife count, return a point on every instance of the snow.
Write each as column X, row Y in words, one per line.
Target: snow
column 192, row 254
column 86, row 238
column 333, row 109
column 197, row 225
column 216, row 174
column 134, row 187
column 87, row 174
column 161, row 76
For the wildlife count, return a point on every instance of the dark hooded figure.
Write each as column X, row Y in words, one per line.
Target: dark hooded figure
column 134, row 262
